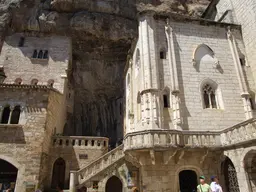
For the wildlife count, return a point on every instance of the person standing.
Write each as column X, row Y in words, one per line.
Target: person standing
column 203, row 186
column 215, row 186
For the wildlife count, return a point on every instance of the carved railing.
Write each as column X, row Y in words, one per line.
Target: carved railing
column 80, row 141
column 235, row 135
column 239, row 134
column 96, row 167
column 170, row 138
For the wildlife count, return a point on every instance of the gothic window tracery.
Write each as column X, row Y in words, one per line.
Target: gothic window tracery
column 209, row 96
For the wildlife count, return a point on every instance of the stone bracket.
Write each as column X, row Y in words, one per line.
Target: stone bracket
column 204, row 156
column 133, row 159
column 152, row 156
column 169, row 155
column 180, row 156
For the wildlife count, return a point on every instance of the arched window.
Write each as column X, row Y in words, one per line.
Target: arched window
column 203, row 54
column 45, row 54
column 114, row 184
column 210, row 100
column 6, row 115
column 34, row 82
column 211, row 95
column 18, row 81
column 40, row 54
column 15, row 115
column 35, row 54
column 50, row 83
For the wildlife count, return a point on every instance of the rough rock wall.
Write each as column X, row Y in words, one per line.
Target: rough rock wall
column 102, row 32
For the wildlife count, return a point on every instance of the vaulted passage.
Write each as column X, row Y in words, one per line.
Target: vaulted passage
column 8, row 175
column 114, row 185
column 188, row 181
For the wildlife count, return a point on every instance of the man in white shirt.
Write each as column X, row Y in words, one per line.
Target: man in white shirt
column 215, row 186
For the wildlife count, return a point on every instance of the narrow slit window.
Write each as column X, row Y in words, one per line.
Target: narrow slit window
column 21, row 41
column 40, row 54
column 45, row 54
column 162, row 55
column 166, row 103
column 35, row 54
column 242, row 61
column 252, row 103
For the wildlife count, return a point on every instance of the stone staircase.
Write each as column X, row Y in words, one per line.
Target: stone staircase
column 85, row 174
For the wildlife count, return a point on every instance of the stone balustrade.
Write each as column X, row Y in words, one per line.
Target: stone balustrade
column 99, row 165
column 80, row 141
column 240, row 133
column 170, row 138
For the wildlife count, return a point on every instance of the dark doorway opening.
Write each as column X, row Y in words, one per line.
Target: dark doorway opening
column 230, row 176
column 58, row 173
column 188, row 181
column 114, row 184
column 8, row 175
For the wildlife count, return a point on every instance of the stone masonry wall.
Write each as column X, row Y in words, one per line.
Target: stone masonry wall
column 18, row 61
column 23, row 143
column 244, row 12
column 187, row 37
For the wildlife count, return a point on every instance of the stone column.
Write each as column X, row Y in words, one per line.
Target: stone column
column 243, row 87
column 150, row 95
column 10, row 116
column 174, row 74
column 73, row 181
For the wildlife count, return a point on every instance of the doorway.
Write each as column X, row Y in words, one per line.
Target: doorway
column 8, row 175
column 188, row 181
column 114, row 184
column 230, row 176
column 58, row 173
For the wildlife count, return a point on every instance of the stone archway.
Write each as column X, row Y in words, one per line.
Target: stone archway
column 188, row 181
column 8, row 175
column 250, row 167
column 230, row 176
column 114, row 184
column 58, row 173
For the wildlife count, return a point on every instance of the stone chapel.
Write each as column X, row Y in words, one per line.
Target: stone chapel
column 182, row 104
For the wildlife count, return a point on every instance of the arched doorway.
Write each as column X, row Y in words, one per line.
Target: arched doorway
column 114, row 184
column 250, row 165
column 230, row 176
column 58, row 173
column 8, row 175
column 188, row 181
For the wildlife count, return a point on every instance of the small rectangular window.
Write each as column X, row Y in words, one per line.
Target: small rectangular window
column 21, row 42
column 162, row 55
column 242, row 61
column 166, row 103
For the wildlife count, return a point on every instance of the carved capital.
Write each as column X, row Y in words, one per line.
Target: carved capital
column 1, row 108
column 152, row 156
column 229, row 34
column 22, row 108
column 12, row 107
column 217, row 64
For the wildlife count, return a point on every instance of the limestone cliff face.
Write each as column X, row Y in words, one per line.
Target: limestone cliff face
column 102, row 32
